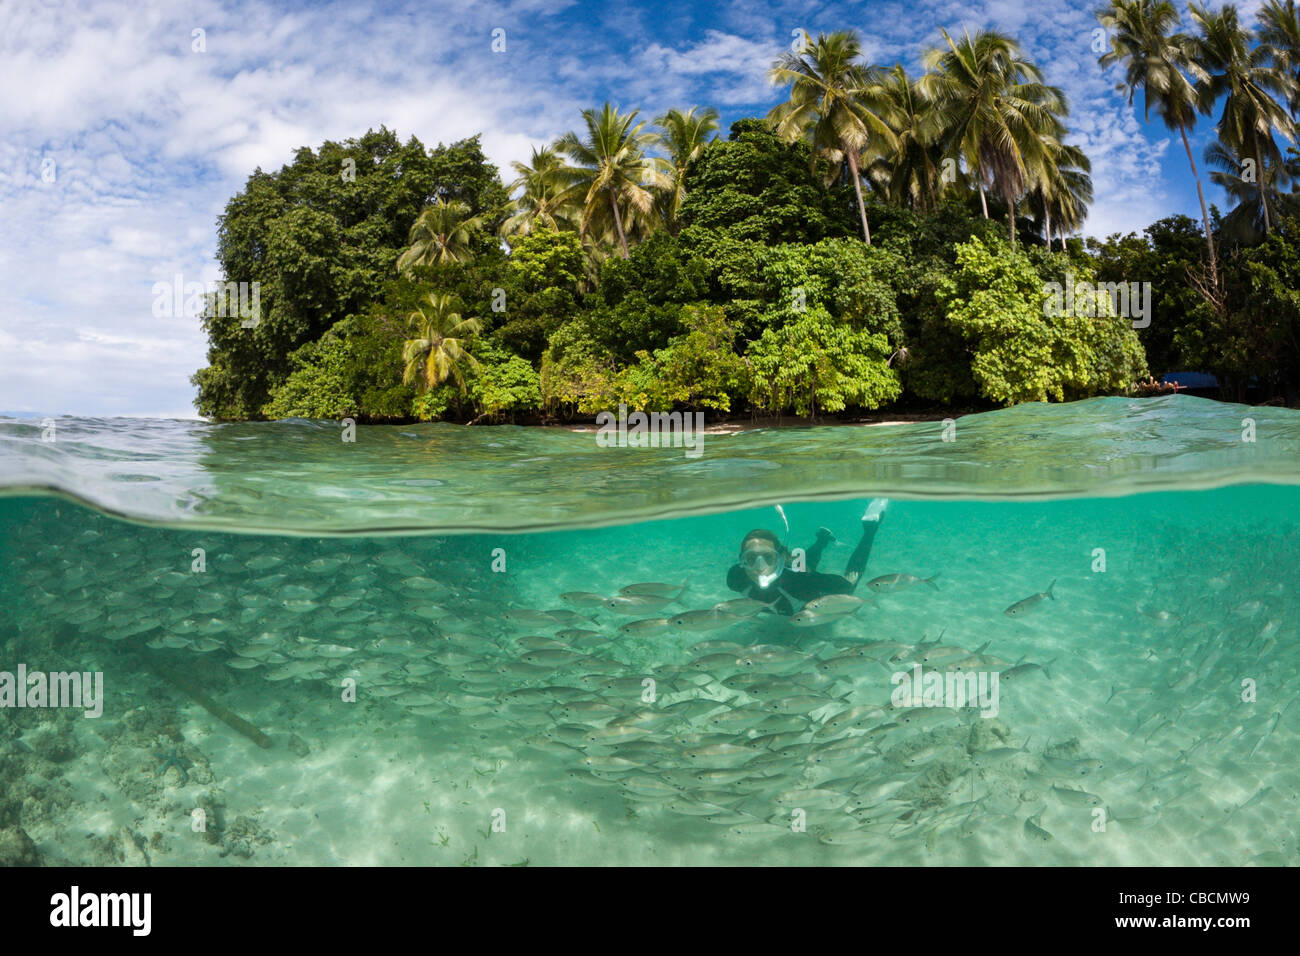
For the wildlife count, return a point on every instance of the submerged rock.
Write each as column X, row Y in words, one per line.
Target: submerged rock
column 17, row 848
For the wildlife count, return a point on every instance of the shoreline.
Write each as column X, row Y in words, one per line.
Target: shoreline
column 790, row 421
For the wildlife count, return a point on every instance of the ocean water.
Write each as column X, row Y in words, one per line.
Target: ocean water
column 395, row 651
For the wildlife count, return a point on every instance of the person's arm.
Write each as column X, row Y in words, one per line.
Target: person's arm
column 813, row 584
column 737, row 579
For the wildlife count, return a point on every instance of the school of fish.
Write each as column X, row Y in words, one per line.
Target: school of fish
column 692, row 702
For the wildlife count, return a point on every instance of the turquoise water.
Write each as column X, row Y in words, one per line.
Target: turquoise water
column 237, row 586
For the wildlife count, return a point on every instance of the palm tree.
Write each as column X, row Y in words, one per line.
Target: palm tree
column 1060, row 195
column 441, row 233
column 611, row 177
column 1247, row 223
column 829, row 105
column 1279, row 28
column 543, row 202
column 1250, row 86
column 683, row 136
column 1162, row 64
column 998, row 115
column 909, row 174
column 438, row 350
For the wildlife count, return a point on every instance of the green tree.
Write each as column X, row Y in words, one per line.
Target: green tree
column 541, row 289
column 910, row 172
column 698, row 369
column 1252, row 195
column 441, row 233
column 1249, row 84
column 756, row 187
column 684, row 136
column 1062, row 191
column 829, row 104
column 579, row 373
column 439, row 350
column 1259, row 336
column 1162, row 63
column 353, row 370
column 1165, row 255
column 1279, row 30
column 611, row 176
column 811, row 362
column 319, row 237
column 996, row 112
column 544, row 200
column 502, row 385
column 857, row 284
column 1019, row 350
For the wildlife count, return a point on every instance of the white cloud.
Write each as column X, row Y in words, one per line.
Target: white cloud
column 149, row 139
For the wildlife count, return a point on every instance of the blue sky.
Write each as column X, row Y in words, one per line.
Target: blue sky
column 120, row 143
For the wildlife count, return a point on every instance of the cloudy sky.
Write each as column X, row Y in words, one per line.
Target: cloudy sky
column 121, row 139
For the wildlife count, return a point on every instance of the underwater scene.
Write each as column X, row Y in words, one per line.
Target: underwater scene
column 1062, row 635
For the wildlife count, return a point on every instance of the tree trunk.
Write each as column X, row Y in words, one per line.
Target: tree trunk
column 857, row 188
column 1205, row 215
column 1011, row 220
column 1260, row 184
column 1047, row 215
column 979, row 176
column 618, row 224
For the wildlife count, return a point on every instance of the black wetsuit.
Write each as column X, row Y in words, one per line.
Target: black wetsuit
column 793, row 589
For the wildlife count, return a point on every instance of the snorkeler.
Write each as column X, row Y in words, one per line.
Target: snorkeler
column 763, row 572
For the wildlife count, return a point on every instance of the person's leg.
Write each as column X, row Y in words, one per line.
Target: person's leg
column 813, row 555
column 870, row 525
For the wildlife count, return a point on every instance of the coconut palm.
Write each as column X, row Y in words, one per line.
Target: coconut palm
column 683, row 136
column 441, row 233
column 544, row 202
column 1061, row 193
column 438, row 350
column 1250, row 86
column 911, row 173
column 611, row 179
column 830, row 105
column 997, row 114
column 1279, row 28
column 1161, row 62
column 1252, row 196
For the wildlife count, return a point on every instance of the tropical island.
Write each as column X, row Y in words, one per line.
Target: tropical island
column 876, row 241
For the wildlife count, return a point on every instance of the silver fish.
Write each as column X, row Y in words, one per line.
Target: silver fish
column 1272, row 725
column 826, row 610
column 1023, row 605
column 1034, row 831
column 1074, row 767
column 710, row 620
column 639, row 603
column 888, row 583
column 583, row 598
column 1076, row 798
column 1021, row 671
column 650, row 589
column 998, row 755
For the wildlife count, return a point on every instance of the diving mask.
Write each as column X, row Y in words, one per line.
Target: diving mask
column 764, row 565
